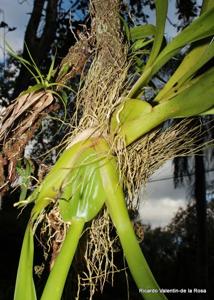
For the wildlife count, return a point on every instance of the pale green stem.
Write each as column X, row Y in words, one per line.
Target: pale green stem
column 25, row 289
column 116, row 206
column 142, row 81
column 55, row 284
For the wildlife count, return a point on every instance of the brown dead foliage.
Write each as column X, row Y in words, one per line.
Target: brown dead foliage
column 23, row 117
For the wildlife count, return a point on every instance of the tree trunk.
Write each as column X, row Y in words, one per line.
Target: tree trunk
column 201, row 210
column 38, row 44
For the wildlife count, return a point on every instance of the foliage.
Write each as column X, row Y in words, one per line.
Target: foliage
column 88, row 173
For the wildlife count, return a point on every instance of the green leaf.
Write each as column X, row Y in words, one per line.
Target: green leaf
column 54, row 287
column 208, row 112
column 126, row 28
column 25, row 289
column 83, row 194
column 63, row 70
column 33, row 88
column 193, row 100
column 62, row 96
column 200, row 28
column 128, row 111
column 192, row 62
column 161, row 14
column 51, row 69
column 23, row 61
column 24, row 173
column 116, row 205
column 206, row 5
column 50, row 188
column 139, row 44
column 35, row 65
column 141, row 31
column 199, row 55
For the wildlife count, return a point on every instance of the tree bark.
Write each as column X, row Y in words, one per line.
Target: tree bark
column 201, row 210
column 38, row 46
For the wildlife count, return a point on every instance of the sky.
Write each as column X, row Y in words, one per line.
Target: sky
column 16, row 15
column 160, row 200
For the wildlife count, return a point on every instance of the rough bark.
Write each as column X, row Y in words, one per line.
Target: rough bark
column 107, row 27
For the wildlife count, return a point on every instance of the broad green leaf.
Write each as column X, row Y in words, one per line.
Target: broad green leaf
column 48, row 191
column 127, row 111
column 161, row 14
column 25, row 289
column 192, row 101
column 208, row 112
column 206, row 5
column 83, row 194
column 141, row 31
column 199, row 29
column 192, row 62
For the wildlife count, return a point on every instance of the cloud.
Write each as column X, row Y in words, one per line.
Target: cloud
column 160, row 213
column 160, row 200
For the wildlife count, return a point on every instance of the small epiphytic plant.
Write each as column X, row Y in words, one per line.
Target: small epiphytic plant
column 23, row 116
column 43, row 82
column 87, row 176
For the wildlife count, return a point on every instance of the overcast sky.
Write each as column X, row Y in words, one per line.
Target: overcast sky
column 160, row 200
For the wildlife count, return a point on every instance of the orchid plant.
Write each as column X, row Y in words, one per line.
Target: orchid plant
column 86, row 177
